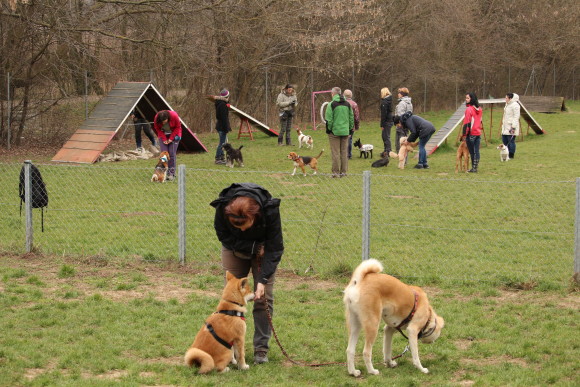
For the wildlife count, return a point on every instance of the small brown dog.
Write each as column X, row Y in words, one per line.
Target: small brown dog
column 224, row 329
column 462, row 157
column 302, row 161
column 371, row 297
column 304, row 139
column 161, row 168
column 404, row 151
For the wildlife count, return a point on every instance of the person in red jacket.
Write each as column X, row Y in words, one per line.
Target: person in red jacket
column 167, row 125
column 472, row 128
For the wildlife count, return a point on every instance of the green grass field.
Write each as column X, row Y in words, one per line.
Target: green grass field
column 121, row 312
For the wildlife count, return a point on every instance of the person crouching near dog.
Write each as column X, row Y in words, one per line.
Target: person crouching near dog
column 286, row 102
column 167, row 125
column 472, row 128
column 510, row 128
column 222, row 123
column 419, row 128
column 247, row 223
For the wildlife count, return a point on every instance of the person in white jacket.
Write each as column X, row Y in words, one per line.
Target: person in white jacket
column 511, row 123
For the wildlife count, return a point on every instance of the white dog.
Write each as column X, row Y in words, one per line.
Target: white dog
column 503, row 152
column 304, row 139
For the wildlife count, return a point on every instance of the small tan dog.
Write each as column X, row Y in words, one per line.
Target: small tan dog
column 304, row 139
column 462, row 157
column 161, row 168
column 303, row 161
column 370, row 297
column 404, row 151
column 224, row 329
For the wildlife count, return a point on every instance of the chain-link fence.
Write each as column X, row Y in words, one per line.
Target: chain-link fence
column 433, row 228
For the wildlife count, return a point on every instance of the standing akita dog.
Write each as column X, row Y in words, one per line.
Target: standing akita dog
column 370, row 297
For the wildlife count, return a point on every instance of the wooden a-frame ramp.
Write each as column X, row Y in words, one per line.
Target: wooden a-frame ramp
column 95, row 134
column 457, row 118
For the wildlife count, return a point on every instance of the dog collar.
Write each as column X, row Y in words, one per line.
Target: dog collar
column 233, row 313
column 219, row 339
column 232, row 302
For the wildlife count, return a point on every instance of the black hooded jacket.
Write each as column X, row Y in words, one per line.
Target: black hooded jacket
column 418, row 127
column 267, row 230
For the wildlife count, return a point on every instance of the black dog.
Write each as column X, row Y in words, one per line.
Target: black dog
column 233, row 155
column 366, row 149
column 382, row 162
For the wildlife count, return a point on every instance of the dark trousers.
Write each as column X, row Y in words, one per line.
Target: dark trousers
column 240, row 268
column 219, row 152
column 509, row 140
column 473, row 147
column 386, row 135
column 171, row 148
column 285, row 126
column 143, row 126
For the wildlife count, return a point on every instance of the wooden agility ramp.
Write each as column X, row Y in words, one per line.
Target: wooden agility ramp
column 457, row 119
column 108, row 116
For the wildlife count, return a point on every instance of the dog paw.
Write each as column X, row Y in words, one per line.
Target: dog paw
column 391, row 363
column 234, row 361
column 425, row 370
column 244, row 367
column 227, row 369
column 355, row 373
column 374, row 372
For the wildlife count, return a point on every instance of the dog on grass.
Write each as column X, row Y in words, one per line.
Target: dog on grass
column 160, row 173
column 371, row 296
column 304, row 139
column 366, row 150
column 303, row 161
column 462, row 157
column 233, row 155
column 404, row 151
column 223, row 330
column 382, row 162
column 504, row 154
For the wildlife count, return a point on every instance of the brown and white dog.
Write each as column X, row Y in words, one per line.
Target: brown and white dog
column 160, row 173
column 371, row 296
column 304, row 139
column 303, row 161
column 223, row 330
column 462, row 157
column 504, row 154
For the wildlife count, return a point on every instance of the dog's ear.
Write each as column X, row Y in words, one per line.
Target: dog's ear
column 243, row 282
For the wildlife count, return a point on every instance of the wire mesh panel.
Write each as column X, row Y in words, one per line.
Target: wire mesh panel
column 473, row 229
column 434, row 228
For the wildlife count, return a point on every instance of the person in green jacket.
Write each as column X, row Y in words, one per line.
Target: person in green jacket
column 339, row 125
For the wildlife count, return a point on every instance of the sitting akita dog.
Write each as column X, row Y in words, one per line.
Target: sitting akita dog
column 223, row 330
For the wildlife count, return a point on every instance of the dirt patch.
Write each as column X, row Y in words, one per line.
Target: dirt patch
column 495, row 361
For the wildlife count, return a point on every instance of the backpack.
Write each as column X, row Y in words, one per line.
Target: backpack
column 39, row 193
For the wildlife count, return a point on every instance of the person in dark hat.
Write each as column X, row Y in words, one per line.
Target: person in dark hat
column 248, row 225
column 222, row 123
column 286, row 103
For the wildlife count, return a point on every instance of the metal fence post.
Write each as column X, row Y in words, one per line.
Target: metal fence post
column 28, row 204
column 577, row 234
column 366, row 214
column 181, row 212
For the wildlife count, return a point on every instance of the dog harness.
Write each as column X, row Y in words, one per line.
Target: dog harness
column 219, row 339
column 233, row 313
column 422, row 333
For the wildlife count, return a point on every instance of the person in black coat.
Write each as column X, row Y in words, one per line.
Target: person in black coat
column 222, row 123
column 386, row 118
column 419, row 128
column 247, row 223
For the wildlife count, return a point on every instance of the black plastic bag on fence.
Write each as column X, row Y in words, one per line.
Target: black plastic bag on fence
column 38, row 188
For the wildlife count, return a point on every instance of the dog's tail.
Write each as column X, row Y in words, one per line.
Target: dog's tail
column 393, row 155
column 320, row 154
column 366, row 267
column 200, row 358
column 241, row 146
